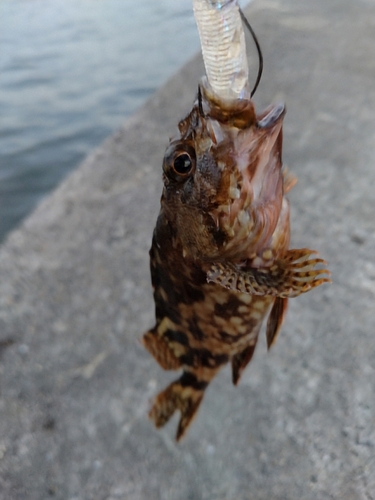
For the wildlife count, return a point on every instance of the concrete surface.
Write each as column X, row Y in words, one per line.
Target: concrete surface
column 75, row 298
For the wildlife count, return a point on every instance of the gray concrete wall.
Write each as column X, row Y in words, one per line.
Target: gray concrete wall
column 75, row 297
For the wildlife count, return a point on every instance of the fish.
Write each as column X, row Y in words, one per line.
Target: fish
column 220, row 258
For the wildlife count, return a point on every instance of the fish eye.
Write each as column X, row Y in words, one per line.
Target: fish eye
column 179, row 160
column 182, row 164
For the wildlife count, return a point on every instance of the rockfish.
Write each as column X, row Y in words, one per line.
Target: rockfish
column 220, row 257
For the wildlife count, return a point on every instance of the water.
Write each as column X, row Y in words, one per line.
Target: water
column 70, row 73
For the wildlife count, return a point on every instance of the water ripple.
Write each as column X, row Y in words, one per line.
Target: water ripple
column 70, row 73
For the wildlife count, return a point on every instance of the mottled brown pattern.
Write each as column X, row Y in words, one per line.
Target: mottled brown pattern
column 219, row 256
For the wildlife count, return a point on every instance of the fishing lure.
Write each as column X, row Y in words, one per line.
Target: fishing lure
column 220, row 257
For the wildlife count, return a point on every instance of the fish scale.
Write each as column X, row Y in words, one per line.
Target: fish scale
column 217, row 273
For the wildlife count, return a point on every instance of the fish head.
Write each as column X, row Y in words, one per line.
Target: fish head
column 222, row 177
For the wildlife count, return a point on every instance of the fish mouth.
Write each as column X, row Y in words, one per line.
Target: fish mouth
column 237, row 181
column 239, row 113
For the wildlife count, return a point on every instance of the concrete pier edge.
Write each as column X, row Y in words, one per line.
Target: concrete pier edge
column 75, row 297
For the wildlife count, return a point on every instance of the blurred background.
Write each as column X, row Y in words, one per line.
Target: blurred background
column 71, row 71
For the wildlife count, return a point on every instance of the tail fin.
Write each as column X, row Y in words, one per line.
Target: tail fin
column 184, row 395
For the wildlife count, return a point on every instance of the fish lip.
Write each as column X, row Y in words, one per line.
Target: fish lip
column 271, row 117
column 239, row 113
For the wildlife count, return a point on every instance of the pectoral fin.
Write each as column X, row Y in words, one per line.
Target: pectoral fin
column 289, row 276
column 289, row 180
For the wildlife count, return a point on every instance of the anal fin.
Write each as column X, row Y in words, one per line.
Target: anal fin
column 241, row 360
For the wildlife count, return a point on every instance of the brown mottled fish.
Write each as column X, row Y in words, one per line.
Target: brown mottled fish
column 220, row 257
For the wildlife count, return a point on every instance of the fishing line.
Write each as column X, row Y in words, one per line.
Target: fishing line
column 260, row 55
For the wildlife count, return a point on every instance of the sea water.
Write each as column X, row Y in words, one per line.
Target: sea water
column 71, row 71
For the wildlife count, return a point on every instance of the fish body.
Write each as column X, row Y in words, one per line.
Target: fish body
column 220, row 258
